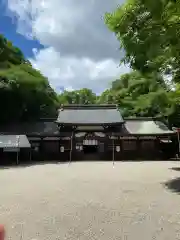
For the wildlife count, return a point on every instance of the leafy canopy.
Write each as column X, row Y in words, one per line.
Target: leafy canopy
column 24, row 92
column 149, row 31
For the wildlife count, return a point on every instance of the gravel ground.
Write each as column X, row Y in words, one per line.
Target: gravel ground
column 91, row 200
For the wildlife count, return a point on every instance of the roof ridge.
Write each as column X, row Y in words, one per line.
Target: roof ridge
column 142, row 119
column 89, row 106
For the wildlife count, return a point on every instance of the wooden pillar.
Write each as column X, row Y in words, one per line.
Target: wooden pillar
column 113, row 151
column 71, row 149
column 41, row 148
column 107, row 149
column 158, row 148
column 122, row 148
column 18, row 150
column 30, row 154
column 59, row 145
column 138, row 148
column 17, row 156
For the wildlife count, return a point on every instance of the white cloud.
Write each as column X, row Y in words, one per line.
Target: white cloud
column 75, row 73
column 79, row 49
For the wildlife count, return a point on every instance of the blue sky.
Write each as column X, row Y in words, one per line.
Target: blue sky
column 8, row 29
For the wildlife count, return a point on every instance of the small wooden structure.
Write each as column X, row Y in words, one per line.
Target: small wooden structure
column 14, row 147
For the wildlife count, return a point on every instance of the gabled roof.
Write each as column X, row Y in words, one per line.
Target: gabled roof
column 89, row 114
column 146, row 127
column 31, row 128
column 14, row 141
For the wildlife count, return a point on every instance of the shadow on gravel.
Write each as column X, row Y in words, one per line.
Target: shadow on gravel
column 175, row 168
column 173, row 185
column 31, row 164
column 56, row 162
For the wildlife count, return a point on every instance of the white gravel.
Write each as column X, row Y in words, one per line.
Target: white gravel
column 91, row 200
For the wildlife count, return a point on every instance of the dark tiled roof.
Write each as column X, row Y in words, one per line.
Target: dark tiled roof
column 146, row 127
column 90, row 128
column 14, row 141
column 31, row 128
column 89, row 114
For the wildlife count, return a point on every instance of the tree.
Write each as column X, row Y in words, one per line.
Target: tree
column 82, row 96
column 106, row 97
column 149, row 31
column 142, row 95
column 24, row 92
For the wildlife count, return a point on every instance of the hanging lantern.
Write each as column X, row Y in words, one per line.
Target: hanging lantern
column 36, row 149
column 118, row 149
column 62, row 149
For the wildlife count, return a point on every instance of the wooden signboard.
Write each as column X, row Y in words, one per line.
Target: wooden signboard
column 11, row 149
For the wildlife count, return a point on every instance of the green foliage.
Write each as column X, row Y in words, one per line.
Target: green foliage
column 135, row 94
column 142, row 95
column 9, row 53
column 82, row 96
column 151, row 49
column 149, row 31
column 24, row 92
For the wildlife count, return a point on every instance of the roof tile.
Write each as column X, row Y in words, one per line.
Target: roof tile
column 89, row 114
column 147, row 127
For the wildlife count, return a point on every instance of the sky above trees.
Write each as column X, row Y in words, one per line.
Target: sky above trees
column 78, row 49
column 147, row 32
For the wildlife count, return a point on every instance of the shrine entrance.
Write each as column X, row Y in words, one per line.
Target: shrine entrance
column 90, row 146
column 90, row 149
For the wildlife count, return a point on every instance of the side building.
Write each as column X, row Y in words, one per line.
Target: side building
column 94, row 132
